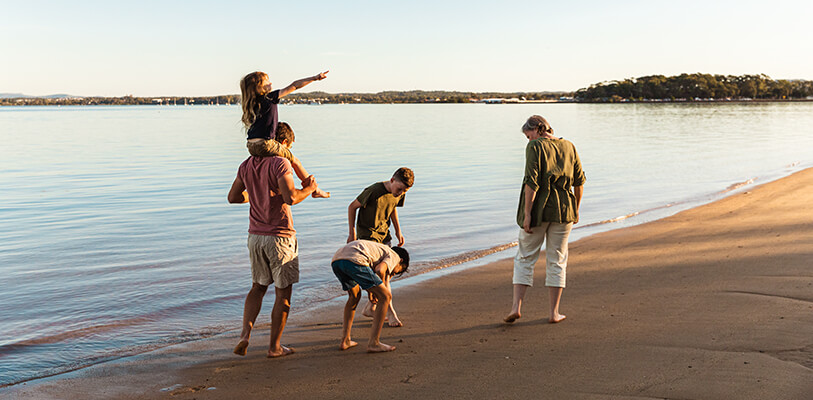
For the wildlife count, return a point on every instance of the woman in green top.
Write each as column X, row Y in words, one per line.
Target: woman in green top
column 548, row 208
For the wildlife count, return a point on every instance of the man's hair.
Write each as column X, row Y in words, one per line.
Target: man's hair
column 404, row 255
column 284, row 132
column 405, row 175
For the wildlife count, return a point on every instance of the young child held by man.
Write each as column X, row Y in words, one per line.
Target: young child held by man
column 260, row 117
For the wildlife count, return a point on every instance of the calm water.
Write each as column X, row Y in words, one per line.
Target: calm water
column 116, row 237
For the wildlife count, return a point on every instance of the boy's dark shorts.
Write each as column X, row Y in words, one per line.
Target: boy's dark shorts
column 351, row 274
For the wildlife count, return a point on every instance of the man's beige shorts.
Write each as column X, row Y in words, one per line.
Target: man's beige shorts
column 274, row 259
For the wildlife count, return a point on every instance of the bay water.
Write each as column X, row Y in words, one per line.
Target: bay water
column 116, row 237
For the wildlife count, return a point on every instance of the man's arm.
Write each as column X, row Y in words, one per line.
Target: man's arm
column 299, row 84
column 397, row 226
column 530, row 196
column 351, row 219
column 237, row 193
column 290, row 194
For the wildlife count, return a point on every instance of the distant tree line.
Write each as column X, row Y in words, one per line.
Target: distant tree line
column 119, row 101
column 413, row 96
column 419, row 96
column 691, row 87
column 684, row 87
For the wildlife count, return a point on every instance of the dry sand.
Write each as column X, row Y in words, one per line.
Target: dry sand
column 712, row 303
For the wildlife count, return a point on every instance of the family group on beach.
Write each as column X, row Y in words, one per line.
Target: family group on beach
column 552, row 189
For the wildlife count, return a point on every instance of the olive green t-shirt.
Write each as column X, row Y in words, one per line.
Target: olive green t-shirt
column 552, row 168
column 377, row 205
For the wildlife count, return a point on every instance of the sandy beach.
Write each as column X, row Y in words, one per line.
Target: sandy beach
column 714, row 302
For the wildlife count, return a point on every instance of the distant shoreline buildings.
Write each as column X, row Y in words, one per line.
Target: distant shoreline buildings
column 647, row 89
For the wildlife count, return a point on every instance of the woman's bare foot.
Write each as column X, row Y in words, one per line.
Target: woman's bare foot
column 347, row 343
column 281, row 352
column 512, row 317
column 320, row 194
column 395, row 324
column 380, row 348
column 242, row 348
column 557, row 318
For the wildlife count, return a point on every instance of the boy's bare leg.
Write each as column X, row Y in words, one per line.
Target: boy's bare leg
column 555, row 296
column 384, row 297
column 369, row 310
column 353, row 297
column 519, row 295
column 279, row 316
column 254, row 301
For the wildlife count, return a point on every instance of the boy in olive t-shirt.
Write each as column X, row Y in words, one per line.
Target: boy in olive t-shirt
column 376, row 206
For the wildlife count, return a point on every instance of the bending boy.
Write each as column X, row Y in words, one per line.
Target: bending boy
column 370, row 265
column 376, row 206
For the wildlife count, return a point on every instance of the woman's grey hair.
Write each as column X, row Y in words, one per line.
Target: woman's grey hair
column 537, row 123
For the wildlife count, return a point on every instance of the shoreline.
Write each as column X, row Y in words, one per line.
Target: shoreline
column 457, row 263
column 594, row 256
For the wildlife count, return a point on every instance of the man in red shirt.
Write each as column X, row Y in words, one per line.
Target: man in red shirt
column 273, row 250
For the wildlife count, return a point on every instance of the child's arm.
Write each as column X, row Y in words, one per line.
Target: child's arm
column 397, row 226
column 391, row 314
column 299, row 84
column 351, row 219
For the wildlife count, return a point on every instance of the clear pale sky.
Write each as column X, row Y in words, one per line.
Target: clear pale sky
column 159, row 48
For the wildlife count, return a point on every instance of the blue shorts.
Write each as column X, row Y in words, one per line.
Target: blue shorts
column 351, row 274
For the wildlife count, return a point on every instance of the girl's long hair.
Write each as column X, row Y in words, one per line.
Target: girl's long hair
column 251, row 91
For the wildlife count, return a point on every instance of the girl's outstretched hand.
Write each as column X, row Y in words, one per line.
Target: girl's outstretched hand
column 321, row 76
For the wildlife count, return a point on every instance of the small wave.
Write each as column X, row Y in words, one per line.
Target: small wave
column 72, row 334
column 737, row 185
column 122, row 352
column 427, row 266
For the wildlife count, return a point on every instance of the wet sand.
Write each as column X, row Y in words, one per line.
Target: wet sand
column 715, row 302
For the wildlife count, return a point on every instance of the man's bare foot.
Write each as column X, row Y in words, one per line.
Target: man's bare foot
column 347, row 343
column 512, row 317
column 242, row 348
column 320, row 194
column 380, row 348
column 282, row 352
column 395, row 324
column 557, row 319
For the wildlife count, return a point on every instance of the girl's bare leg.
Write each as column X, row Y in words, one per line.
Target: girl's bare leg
column 302, row 174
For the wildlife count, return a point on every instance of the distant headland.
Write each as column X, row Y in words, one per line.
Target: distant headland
column 654, row 88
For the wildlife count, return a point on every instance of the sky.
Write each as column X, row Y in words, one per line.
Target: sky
column 202, row 48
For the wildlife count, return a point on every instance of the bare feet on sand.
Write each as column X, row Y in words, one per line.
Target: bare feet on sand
column 320, row 194
column 281, row 352
column 380, row 348
column 242, row 348
column 557, row 319
column 512, row 317
column 395, row 324
column 347, row 343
